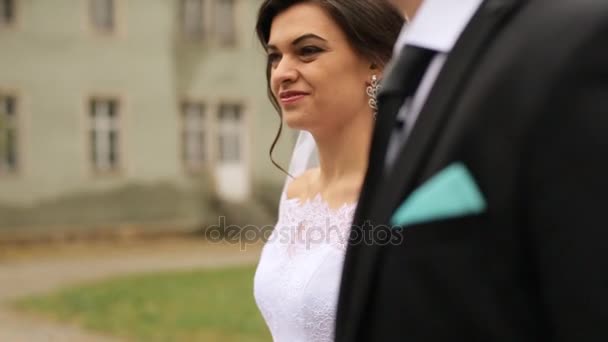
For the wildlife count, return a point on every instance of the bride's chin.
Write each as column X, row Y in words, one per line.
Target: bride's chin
column 295, row 120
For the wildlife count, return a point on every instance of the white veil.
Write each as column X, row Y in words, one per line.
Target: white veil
column 304, row 156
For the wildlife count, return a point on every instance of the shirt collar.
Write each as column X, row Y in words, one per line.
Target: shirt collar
column 438, row 24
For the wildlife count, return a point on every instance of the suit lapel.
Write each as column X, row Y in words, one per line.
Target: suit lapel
column 408, row 166
column 447, row 89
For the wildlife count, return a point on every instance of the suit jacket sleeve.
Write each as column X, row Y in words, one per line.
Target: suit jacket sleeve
column 567, row 203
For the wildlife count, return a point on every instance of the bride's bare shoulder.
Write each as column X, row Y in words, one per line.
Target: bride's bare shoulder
column 300, row 186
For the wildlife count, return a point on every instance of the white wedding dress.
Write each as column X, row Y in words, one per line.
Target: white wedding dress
column 297, row 281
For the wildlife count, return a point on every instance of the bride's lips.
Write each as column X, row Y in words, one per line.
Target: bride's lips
column 291, row 96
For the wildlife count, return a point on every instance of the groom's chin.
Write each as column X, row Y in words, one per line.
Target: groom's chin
column 398, row 4
column 403, row 5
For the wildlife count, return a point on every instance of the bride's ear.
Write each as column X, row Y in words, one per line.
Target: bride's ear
column 376, row 70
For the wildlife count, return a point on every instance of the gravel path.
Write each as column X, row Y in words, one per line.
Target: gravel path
column 34, row 270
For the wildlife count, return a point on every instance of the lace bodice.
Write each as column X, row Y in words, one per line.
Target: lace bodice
column 298, row 278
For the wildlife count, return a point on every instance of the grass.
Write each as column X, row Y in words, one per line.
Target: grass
column 209, row 305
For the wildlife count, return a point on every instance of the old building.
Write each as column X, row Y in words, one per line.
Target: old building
column 131, row 111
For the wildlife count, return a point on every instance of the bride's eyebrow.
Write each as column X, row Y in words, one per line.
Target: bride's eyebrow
column 271, row 47
column 307, row 36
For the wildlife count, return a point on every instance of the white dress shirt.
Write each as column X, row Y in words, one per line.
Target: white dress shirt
column 436, row 26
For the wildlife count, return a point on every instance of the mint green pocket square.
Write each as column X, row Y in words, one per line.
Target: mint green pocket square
column 450, row 193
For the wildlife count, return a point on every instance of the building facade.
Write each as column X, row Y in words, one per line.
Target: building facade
column 130, row 111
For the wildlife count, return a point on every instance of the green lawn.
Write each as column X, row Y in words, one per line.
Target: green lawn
column 211, row 305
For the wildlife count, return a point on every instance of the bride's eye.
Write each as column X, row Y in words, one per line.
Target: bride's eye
column 310, row 50
column 274, row 58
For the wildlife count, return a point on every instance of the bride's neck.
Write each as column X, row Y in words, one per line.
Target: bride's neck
column 344, row 153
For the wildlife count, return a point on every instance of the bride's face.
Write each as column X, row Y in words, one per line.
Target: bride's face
column 316, row 76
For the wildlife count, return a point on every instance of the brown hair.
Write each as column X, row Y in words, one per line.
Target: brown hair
column 371, row 28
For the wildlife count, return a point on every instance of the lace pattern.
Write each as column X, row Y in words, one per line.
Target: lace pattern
column 297, row 281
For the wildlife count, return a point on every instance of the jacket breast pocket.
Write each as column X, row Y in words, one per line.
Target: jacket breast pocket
column 460, row 232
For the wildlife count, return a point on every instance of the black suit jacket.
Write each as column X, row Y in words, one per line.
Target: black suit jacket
column 522, row 101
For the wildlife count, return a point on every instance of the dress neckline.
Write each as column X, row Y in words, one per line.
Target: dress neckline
column 318, row 200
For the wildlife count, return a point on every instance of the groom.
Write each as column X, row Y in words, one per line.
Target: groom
column 490, row 158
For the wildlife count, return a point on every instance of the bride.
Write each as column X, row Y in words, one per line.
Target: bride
column 325, row 58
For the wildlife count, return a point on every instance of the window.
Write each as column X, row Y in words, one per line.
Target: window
column 201, row 18
column 102, row 15
column 7, row 12
column 104, row 135
column 229, row 132
column 224, row 21
column 194, row 146
column 8, row 134
column 193, row 23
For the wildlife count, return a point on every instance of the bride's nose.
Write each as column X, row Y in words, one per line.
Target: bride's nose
column 285, row 72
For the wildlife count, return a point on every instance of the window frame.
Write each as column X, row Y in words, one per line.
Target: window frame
column 236, row 128
column 119, row 23
column 18, row 113
column 232, row 41
column 206, row 130
column 120, row 158
column 14, row 19
column 210, row 24
column 204, row 17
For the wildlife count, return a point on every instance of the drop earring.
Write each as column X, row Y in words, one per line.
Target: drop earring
column 372, row 91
